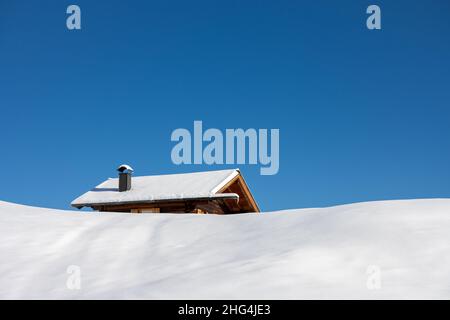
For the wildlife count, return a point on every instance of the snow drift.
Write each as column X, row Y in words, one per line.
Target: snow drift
column 297, row 254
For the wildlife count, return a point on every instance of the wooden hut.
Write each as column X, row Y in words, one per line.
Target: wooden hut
column 216, row 192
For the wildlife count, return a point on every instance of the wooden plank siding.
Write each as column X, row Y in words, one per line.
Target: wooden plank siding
column 168, row 207
column 246, row 200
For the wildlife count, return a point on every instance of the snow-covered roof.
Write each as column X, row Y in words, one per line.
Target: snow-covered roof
column 205, row 184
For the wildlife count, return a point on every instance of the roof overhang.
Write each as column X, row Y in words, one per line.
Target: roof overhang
column 218, row 196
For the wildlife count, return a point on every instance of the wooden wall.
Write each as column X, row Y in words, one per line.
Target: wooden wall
column 214, row 207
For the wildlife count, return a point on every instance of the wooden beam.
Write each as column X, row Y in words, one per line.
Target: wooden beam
column 239, row 179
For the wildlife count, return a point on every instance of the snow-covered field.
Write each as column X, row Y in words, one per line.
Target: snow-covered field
column 297, row 254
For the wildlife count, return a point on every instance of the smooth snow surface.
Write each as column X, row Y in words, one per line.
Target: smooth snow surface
column 161, row 187
column 296, row 254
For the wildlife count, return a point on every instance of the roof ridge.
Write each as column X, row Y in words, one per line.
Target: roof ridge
column 182, row 173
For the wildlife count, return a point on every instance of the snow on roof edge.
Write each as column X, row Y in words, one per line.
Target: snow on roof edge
column 179, row 198
column 232, row 175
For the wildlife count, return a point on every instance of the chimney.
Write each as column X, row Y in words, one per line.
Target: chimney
column 125, row 172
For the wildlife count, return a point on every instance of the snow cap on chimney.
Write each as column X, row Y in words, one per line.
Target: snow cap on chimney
column 124, row 168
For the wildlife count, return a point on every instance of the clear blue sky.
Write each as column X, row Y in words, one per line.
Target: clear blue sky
column 363, row 115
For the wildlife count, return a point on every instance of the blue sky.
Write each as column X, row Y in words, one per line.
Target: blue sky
column 363, row 115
